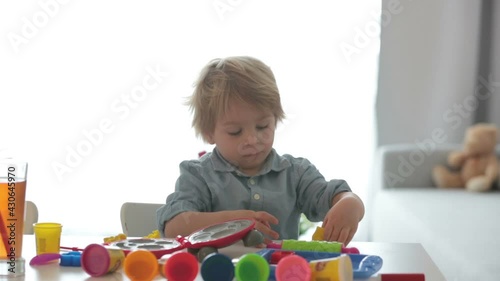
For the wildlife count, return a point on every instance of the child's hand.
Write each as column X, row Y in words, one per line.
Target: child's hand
column 263, row 224
column 341, row 221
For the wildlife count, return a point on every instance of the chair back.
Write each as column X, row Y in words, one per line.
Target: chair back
column 138, row 219
column 30, row 217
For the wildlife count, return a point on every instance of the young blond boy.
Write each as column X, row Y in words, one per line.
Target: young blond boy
column 236, row 106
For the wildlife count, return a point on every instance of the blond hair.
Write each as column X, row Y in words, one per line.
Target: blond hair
column 233, row 78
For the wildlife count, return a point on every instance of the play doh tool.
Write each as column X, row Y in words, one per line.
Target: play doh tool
column 44, row 258
column 200, row 243
column 316, row 246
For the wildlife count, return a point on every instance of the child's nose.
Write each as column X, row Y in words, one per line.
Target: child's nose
column 252, row 138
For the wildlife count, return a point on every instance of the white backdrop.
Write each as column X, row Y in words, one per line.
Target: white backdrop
column 91, row 92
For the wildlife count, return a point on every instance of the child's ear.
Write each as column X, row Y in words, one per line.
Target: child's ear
column 209, row 137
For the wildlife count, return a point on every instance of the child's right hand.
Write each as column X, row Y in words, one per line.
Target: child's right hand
column 263, row 224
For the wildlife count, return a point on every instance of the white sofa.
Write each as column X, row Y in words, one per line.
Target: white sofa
column 459, row 229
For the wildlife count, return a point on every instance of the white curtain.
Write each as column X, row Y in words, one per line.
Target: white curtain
column 92, row 92
column 430, row 81
column 494, row 74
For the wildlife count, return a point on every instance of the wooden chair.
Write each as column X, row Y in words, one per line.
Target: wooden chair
column 138, row 219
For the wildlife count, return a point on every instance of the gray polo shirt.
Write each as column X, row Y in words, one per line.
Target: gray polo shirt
column 285, row 187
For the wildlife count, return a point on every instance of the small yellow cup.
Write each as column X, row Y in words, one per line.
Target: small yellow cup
column 48, row 237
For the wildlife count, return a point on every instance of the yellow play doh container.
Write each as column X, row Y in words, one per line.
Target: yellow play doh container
column 161, row 265
column 47, row 237
column 332, row 269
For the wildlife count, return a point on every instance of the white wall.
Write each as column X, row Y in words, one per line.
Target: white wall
column 69, row 70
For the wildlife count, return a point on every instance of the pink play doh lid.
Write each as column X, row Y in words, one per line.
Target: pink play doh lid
column 95, row 260
column 292, row 267
column 98, row 260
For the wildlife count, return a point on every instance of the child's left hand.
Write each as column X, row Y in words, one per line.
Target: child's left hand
column 341, row 221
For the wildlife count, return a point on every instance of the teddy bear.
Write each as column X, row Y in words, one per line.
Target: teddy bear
column 475, row 167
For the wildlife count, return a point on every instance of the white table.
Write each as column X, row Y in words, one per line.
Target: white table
column 397, row 258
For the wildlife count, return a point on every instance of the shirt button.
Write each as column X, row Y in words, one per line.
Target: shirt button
column 251, row 181
column 256, row 196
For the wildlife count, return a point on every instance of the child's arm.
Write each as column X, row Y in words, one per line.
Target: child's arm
column 188, row 222
column 341, row 221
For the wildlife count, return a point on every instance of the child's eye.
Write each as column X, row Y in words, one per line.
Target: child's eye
column 262, row 127
column 235, row 133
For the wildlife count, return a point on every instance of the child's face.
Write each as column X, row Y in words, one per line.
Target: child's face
column 244, row 136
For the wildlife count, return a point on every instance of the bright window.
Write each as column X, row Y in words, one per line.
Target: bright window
column 92, row 92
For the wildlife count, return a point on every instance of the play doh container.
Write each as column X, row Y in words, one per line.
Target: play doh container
column 332, row 269
column 181, row 266
column 141, row 265
column 217, row 267
column 293, row 267
column 252, row 267
column 98, row 260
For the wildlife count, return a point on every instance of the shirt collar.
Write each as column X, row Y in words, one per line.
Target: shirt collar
column 274, row 162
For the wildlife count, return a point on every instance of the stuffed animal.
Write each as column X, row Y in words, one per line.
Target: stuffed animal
column 475, row 167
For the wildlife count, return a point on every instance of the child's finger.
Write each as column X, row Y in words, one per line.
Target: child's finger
column 334, row 235
column 273, row 234
column 267, row 230
column 265, row 223
column 344, row 236
column 267, row 241
column 328, row 231
column 349, row 238
column 325, row 223
column 265, row 216
column 262, row 246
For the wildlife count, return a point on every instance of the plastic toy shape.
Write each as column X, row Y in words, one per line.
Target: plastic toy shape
column 363, row 266
column 200, row 243
column 73, row 258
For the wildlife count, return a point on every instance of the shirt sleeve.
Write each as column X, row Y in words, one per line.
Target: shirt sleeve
column 314, row 192
column 191, row 194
